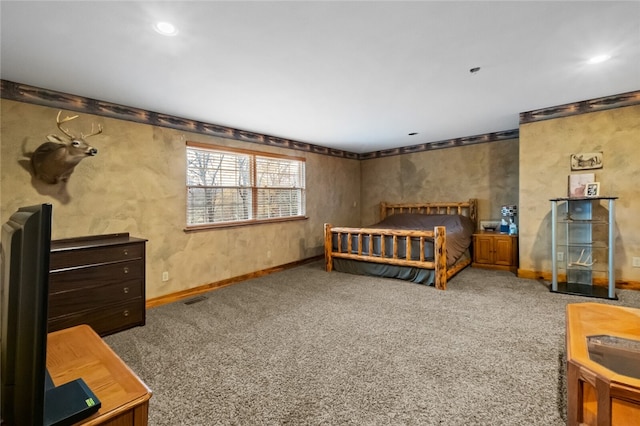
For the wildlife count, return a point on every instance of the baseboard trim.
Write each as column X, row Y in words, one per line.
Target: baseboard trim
column 546, row 275
column 185, row 294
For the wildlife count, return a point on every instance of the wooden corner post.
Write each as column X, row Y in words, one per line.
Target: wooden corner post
column 440, row 257
column 383, row 210
column 328, row 248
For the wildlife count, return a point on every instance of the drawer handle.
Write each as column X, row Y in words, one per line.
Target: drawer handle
column 125, row 290
column 126, row 252
column 126, row 269
column 125, row 313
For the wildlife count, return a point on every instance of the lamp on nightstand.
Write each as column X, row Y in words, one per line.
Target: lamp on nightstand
column 508, row 224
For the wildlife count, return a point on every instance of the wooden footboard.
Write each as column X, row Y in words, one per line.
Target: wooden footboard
column 439, row 263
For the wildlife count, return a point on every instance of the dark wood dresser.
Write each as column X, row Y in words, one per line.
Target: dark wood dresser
column 97, row 280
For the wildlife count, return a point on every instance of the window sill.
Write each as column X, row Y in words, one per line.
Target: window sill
column 210, row 226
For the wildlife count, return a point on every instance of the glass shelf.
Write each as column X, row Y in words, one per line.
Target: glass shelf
column 584, row 221
column 582, row 232
column 595, row 245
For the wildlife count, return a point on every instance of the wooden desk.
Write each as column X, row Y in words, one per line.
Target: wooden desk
column 597, row 395
column 79, row 352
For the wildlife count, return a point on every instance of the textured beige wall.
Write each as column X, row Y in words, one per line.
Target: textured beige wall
column 136, row 184
column 488, row 172
column 545, row 148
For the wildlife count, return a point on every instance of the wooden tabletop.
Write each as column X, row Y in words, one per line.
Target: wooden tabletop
column 78, row 352
column 591, row 319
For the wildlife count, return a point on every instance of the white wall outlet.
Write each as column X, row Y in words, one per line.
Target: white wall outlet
column 560, row 256
column 165, row 276
column 268, row 254
column 635, row 262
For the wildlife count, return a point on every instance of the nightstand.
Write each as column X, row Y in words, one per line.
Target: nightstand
column 495, row 250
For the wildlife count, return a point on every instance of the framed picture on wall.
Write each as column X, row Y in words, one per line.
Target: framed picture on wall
column 592, row 189
column 578, row 184
column 586, row 161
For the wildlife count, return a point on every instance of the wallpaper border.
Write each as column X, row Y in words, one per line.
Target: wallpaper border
column 51, row 98
column 581, row 107
column 448, row 143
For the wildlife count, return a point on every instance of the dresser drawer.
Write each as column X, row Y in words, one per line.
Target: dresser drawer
column 62, row 303
column 95, row 255
column 95, row 275
column 104, row 320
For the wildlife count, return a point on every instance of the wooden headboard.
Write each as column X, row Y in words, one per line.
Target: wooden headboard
column 464, row 208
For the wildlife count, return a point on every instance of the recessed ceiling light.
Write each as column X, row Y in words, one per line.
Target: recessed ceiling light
column 165, row 28
column 598, row 59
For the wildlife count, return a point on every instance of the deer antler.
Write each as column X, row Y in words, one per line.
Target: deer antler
column 64, row 120
column 92, row 132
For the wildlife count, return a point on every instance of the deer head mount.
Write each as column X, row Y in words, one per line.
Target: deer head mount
column 55, row 160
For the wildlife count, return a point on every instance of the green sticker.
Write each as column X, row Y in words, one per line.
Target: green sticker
column 90, row 402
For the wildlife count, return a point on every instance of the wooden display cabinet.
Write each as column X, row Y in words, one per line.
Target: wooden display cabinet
column 583, row 245
column 495, row 251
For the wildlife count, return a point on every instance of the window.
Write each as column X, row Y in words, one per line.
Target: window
column 226, row 186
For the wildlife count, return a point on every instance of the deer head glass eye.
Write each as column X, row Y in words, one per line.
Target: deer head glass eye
column 75, row 143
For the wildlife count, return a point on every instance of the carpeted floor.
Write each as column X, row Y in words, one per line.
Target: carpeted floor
column 306, row 347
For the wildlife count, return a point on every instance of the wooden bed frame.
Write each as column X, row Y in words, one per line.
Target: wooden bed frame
column 439, row 264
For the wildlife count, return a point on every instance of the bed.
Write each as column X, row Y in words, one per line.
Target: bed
column 425, row 243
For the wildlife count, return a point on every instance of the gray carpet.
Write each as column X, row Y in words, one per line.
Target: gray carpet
column 306, row 347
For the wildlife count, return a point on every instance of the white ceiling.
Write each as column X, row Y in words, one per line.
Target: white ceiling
column 357, row 76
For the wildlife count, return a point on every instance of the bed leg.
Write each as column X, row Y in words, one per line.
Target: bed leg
column 440, row 254
column 328, row 247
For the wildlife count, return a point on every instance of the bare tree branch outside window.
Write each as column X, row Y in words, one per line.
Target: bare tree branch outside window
column 234, row 187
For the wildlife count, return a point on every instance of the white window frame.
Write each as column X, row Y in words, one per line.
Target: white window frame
column 243, row 187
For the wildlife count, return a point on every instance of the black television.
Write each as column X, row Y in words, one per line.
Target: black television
column 27, row 393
